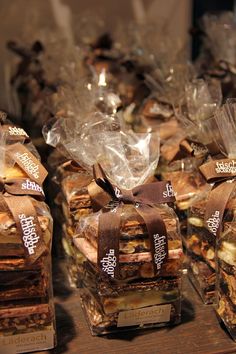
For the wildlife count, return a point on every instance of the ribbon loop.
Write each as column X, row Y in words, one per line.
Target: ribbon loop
column 102, row 180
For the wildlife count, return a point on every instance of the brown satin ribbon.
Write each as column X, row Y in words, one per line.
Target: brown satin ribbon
column 28, row 162
column 21, row 186
column 217, row 170
column 221, row 172
column 27, row 224
column 144, row 197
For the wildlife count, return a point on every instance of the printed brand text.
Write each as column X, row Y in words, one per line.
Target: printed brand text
column 17, row 131
column 226, row 167
column 160, row 252
column 30, row 237
column 169, row 192
column 32, row 186
column 29, row 164
column 109, row 263
column 213, row 222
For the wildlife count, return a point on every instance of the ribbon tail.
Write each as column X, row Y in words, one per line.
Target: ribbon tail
column 157, row 235
column 27, row 224
column 108, row 242
column 216, row 205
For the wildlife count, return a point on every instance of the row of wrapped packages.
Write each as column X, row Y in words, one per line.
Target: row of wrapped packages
column 27, row 320
column 144, row 167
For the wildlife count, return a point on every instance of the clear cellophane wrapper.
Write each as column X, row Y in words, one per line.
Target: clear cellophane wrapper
column 70, row 194
column 181, row 167
column 26, row 299
column 129, row 160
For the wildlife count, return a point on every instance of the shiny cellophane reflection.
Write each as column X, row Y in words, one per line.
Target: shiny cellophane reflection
column 226, row 271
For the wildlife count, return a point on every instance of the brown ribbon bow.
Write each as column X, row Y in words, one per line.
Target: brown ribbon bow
column 144, row 197
column 14, row 197
column 222, row 173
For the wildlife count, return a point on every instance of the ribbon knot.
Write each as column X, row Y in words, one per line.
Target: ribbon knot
column 126, row 196
column 109, row 221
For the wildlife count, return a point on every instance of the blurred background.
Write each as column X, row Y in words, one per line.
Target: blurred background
column 177, row 19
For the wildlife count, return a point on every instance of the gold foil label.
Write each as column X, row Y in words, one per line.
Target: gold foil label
column 27, row 342
column 145, row 315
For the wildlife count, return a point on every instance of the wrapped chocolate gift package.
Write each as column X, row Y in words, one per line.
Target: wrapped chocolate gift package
column 132, row 246
column 26, row 299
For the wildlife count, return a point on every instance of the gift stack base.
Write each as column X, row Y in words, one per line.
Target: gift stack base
column 141, row 305
column 138, row 298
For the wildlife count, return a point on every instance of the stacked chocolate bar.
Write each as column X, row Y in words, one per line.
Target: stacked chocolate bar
column 137, row 297
column 74, row 201
column 26, row 305
column 200, row 246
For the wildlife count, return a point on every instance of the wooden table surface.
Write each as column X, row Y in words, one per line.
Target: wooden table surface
column 199, row 332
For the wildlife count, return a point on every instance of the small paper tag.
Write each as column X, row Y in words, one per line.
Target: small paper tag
column 27, row 342
column 151, row 314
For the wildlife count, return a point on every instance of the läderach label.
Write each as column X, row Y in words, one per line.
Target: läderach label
column 27, row 342
column 145, row 315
